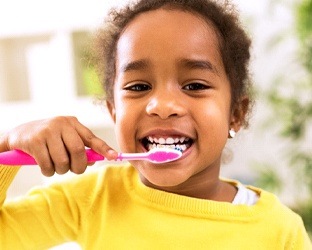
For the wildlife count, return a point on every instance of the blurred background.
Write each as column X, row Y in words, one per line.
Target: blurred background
column 45, row 71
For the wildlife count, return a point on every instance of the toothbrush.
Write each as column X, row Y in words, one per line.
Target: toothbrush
column 156, row 155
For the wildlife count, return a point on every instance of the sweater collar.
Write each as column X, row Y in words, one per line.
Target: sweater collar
column 189, row 206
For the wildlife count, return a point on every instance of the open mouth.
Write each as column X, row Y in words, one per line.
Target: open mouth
column 180, row 143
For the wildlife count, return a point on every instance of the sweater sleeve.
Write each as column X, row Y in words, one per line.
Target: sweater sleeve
column 45, row 217
column 301, row 239
column 7, row 174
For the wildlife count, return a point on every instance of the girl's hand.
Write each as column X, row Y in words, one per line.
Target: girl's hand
column 57, row 144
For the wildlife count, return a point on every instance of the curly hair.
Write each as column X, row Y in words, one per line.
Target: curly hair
column 233, row 41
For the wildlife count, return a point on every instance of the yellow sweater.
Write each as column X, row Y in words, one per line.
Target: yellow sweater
column 111, row 209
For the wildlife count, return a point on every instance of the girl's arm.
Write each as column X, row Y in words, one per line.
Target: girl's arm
column 46, row 216
column 51, row 215
column 57, row 144
column 7, row 174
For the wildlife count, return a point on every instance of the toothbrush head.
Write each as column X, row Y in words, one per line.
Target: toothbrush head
column 163, row 155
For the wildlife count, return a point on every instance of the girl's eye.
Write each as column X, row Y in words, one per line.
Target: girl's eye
column 195, row 86
column 138, row 87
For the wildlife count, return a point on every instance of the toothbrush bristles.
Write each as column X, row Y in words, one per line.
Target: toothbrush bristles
column 179, row 149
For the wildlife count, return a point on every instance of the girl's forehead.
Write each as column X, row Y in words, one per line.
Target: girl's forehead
column 170, row 33
column 169, row 18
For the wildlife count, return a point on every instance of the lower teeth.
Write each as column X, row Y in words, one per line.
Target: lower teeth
column 171, row 146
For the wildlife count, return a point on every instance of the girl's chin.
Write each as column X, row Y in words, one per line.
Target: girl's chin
column 163, row 181
column 164, row 175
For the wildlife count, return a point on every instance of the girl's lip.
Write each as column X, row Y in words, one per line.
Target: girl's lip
column 186, row 152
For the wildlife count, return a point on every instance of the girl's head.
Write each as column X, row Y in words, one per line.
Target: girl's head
column 234, row 44
column 175, row 76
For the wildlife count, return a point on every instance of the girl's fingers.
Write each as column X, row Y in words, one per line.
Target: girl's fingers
column 59, row 155
column 75, row 149
column 97, row 144
column 44, row 160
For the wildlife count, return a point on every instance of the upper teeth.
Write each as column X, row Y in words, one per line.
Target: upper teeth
column 169, row 140
column 178, row 142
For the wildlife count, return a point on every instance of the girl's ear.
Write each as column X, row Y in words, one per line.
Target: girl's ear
column 238, row 114
column 111, row 108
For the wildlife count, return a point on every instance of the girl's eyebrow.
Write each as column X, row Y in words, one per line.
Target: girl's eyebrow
column 135, row 65
column 198, row 64
column 143, row 64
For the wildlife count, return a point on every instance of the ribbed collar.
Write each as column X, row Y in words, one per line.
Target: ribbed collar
column 188, row 206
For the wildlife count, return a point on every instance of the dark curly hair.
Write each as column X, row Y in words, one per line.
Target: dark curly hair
column 233, row 41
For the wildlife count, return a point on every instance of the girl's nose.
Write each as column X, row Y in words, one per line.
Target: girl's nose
column 165, row 105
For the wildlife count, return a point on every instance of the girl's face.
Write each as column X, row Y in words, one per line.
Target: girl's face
column 171, row 89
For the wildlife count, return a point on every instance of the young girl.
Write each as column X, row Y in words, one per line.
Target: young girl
column 175, row 73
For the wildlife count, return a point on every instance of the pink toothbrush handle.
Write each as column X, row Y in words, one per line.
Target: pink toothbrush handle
column 18, row 157
column 93, row 156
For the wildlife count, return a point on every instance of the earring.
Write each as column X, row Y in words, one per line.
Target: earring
column 232, row 133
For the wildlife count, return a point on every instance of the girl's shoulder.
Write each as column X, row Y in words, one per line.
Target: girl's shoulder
column 269, row 205
column 272, row 208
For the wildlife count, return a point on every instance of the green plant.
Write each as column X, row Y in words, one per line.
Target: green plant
column 290, row 100
column 91, row 81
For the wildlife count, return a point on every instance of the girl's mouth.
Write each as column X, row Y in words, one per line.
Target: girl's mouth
column 180, row 143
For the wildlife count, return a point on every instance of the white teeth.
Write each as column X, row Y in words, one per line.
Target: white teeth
column 162, row 141
column 169, row 140
column 172, row 146
column 181, row 143
column 182, row 147
column 182, row 139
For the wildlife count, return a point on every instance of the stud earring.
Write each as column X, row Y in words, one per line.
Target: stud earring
column 232, row 133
